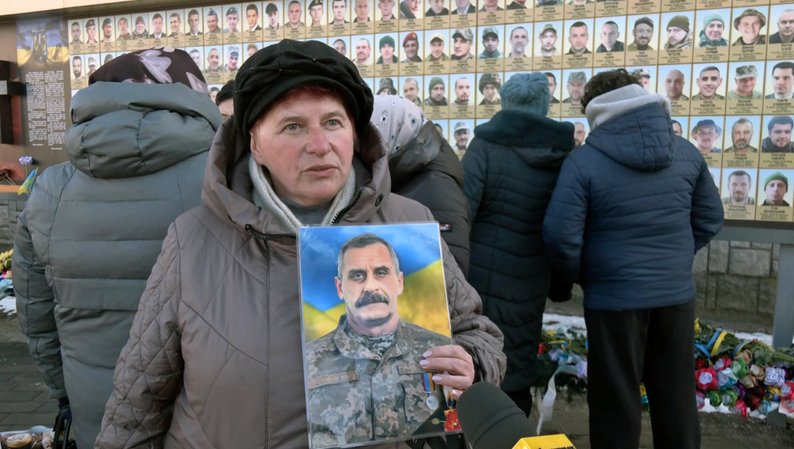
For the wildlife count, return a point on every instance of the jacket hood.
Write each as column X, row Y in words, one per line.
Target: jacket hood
column 124, row 130
column 641, row 138
column 228, row 188
column 412, row 157
column 546, row 146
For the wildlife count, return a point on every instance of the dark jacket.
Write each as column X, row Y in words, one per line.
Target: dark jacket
column 428, row 171
column 631, row 208
column 511, row 167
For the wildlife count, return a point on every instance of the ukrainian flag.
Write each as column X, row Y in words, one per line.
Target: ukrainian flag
column 418, row 248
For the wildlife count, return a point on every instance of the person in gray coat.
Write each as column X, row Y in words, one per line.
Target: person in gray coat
column 93, row 226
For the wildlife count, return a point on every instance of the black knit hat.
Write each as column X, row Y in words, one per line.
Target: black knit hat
column 274, row 70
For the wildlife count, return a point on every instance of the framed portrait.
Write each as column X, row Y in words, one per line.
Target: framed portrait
column 373, row 301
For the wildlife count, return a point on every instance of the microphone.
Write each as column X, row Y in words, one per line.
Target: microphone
column 491, row 420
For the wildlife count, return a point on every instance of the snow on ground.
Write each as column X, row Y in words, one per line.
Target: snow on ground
column 8, row 306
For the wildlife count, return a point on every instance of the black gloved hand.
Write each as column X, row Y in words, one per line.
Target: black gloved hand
column 64, row 410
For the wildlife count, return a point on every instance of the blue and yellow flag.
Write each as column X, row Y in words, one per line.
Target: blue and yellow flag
column 27, row 186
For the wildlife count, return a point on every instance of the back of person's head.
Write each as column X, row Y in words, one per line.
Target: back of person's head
column 527, row 92
column 608, row 81
column 152, row 66
column 226, row 93
column 397, row 120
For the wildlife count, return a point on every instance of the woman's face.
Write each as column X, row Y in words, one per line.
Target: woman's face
column 306, row 143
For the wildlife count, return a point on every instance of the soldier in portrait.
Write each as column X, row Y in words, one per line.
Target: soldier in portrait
column 674, row 85
column 462, row 43
column 739, row 187
column 610, row 33
column 490, row 84
column 742, row 137
column 436, row 90
column 775, row 188
column 779, row 139
column 367, row 369
column 745, row 79
column 749, row 24
column 643, row 32
column 785, row 28
column 552, row 87
column 708, row 81
column 519, row 41
column 782, row 81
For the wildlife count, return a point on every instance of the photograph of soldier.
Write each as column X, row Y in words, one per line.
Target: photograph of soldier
column 386, row 10
column 77, row 69
column 294, row 12
column 387, row 51
column 578, row 38
column 316, row 13
column 362, row 11
column 140, row 31
column 252, row 18
column 232, row 59
column 739, row 188
column 610, row 35
column 463, row 7
column 711, row 35
column 491, row 48
column 436, row 48
column 490, row 6
column 742, row 139
column 643, row 35
column 214, row 92
column 232, row 20
column 745, row 79
column 547, row 40
column 678, row 129
column 782, row 81
column 339, row 13
column 462, row 90
column 779, row 138
column 575, row 87
column 489, row 86
column 436, row 92
column 90, row 32
column 273, row 17
column 410, row 89
column 363, row 52
column 340, row 45
column 409, row 9
column 706, row 136
column 437, row 8
column 579, row 132
column 196, row 54
column 213, row 61
column 679, row 35
column 462, row 40
column 107, row 30
column 516, row 5
column 519, row 42
column 645, row 76
column 709, row 81
column 123, row 29
column 213, row 23
column 157, row 27
column 76, row 34
column 749, row 24
column 462, row 136
column 175, row 25
column 775, row 189
column 674, row 84
column 411, row 48
column 92, row 65
column 367, row 369
column 386, row 87
column 194, row 24
column 552, row 87
column 785, row 26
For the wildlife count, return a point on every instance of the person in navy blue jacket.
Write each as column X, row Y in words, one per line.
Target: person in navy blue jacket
column 630, row 209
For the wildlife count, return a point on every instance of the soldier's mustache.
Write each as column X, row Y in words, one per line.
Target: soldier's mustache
column 368, row 298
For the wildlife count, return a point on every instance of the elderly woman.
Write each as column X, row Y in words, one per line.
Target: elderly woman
column 214, row 357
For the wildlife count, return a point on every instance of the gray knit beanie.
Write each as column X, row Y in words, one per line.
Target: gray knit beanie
column 528, row 92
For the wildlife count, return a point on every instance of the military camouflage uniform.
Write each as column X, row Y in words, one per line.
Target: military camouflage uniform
column 363, row 389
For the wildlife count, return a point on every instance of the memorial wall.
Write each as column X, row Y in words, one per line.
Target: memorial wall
column 727, row 67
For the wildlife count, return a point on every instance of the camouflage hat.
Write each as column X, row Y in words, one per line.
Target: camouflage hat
column 641, row 72
column 748, row 13
column 489, row 31
column 435, row 81
column 387, row 84
column 706, row 123
column 463, row 33
column 490, row 78
column 437, row 36
column 547, row 27
column 577, row 77
column 746, row 71
column 460, row 126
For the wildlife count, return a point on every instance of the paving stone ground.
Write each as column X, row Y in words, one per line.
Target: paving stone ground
column 24, row 403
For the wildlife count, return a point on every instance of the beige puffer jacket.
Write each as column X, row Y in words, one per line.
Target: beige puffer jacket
column 214, row 358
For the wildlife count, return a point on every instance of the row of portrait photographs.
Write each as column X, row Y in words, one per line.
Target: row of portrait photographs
column 763, row 195
column 739, row 33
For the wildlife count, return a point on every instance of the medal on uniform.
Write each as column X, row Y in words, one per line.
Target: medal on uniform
column 430, row 387
column 451, row 422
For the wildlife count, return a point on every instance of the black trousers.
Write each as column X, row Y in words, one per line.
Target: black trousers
column 654, row 346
